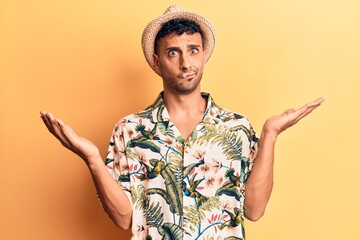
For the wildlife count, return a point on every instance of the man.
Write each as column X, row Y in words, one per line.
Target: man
column 181, row 164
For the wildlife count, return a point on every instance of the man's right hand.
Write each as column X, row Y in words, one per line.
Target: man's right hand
column 69, row 139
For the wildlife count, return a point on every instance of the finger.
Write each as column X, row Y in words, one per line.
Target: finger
column 69, row 135
column 303, row 114
column 307, row 109
column 53, row 124
column 316, row 102
column 47, row 121
column 55, row 129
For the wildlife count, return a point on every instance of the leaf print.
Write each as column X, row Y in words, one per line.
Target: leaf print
column 190, row 190
column 235, row 220
column 143, row 114
column 139, row 197
column 190, row 167
column 180, row 139
column 170, row 231
column 193, row 135
column 184, row 189
column 144, row 145
column 229, row 191
column 174, row 190
column 176, row 165
column 194, row 214
column 108, row 160
column 148, row 237
column 154, row 215
column 151, row 173
column 244, row 129
column 124, row 178
column 221, row 135
column 244, row 173
column 211, row 204
column 231, row 188
column 162, row 193
column 162, row 126
column 159, row 114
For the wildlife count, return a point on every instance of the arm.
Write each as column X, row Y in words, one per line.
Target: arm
column 112, row 197
column 260, row 182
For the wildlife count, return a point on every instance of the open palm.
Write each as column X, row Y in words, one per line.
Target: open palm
column 68, row 138
column 277, row 124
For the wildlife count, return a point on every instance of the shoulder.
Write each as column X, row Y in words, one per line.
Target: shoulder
column 228, row 117
column 143, row 117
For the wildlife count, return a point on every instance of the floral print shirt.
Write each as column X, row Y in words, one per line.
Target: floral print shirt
column 184, row 189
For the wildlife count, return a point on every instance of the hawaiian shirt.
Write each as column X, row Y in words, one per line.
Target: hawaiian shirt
column 184, row 188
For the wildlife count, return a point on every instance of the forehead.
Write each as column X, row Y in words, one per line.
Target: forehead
column 183, row 40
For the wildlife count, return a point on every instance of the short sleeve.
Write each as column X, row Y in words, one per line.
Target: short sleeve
column 254, row 144
column 116, row 161
column 253, row 150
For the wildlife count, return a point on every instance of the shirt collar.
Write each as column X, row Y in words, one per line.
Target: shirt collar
column 159, row 112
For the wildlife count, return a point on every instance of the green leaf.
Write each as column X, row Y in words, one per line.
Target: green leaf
column 231, row 191
column 162, row 126
column 144, row 145
column 154, row 215
column 108, row 160
column 170, row 231
column 173, row 189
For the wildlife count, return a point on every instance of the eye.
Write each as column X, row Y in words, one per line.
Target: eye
column 172, row 53
column 194, row 51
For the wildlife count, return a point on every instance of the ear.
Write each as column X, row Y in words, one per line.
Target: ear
column 156, row 63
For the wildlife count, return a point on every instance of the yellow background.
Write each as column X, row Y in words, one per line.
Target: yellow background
column 82, row 61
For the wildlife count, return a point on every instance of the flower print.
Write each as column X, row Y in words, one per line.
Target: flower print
column 215, row 165
column 120, row 125
column 124, row 168
column 209, row 181
column 152, row 168
column 219, row 180
column 204, row 168
column 199, row 154
column 142, row 157
column 226, row 205
column 116, row 163
column 169, row 141
column 130, row 133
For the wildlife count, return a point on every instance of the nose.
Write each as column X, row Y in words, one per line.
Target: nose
column 184, row 63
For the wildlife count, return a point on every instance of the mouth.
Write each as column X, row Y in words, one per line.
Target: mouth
column 187, row 75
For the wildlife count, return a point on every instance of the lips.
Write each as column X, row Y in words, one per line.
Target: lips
column 187, row 75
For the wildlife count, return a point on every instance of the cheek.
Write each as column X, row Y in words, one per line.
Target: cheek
column 169, row 66
column 199, row 64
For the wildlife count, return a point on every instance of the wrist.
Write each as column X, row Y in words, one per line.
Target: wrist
column 268, row 134
column 93, row 161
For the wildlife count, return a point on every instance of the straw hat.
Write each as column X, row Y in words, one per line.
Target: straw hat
column 151, row 30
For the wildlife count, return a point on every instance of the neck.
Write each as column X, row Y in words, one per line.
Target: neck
column 187, row 104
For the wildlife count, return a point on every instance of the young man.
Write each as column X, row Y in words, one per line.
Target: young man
column 182, row 164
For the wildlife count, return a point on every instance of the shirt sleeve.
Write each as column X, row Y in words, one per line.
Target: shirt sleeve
column 116, row 160
column 253, row 146
column 253, row 149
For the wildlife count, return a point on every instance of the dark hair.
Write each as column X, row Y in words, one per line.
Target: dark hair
column 178, row 26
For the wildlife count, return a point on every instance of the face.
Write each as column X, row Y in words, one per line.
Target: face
column 180, row 62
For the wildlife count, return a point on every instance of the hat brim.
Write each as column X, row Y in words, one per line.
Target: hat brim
column 152, row 29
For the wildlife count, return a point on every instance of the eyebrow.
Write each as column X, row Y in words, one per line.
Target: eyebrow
column 177, row 48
